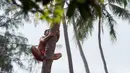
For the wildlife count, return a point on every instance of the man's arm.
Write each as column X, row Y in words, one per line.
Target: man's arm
column 46, row 38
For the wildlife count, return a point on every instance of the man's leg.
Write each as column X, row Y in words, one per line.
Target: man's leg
column 36, row 53
column 38, row 56
column 57, row 56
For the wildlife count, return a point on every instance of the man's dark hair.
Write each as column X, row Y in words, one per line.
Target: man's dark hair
column 46, row 31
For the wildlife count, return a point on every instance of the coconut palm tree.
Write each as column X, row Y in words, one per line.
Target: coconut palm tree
column 100, row 46
column 89, row 11
column 83, row 17
column 117, row 10
column 80, row 49
column 71, row 70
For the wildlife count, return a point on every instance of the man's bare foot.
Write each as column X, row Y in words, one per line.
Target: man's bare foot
column 55, row 57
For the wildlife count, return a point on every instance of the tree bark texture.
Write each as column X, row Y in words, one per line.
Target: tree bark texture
column 46, row 67
column 80, row 49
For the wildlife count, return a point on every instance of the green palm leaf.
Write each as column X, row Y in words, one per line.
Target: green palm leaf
column 120, row 2
column 71, row 9
column 120, row 12
column 111, row 23
column 84, row 28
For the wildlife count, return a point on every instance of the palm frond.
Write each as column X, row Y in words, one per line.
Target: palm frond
column 85, row 11
column 111, row 22
column 71, row 9
column 120, row 2
column 95, row 9
column 120, row 12
column 85, row 21
column 84, row 28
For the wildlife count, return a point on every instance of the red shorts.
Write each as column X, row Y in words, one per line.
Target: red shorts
column 38, row 55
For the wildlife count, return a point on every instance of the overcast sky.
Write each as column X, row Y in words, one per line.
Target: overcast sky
column 117, row 54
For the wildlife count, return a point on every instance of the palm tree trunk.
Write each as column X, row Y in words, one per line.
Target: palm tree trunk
column 68, row 47
column 100, row 46
column 46, row 67
column 81, row 50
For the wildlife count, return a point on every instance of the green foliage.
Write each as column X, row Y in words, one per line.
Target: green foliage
column 86, row 9
column 84, row 19
column 120, row 2
column 11, row 46
column 81, row 1
column 120, row 12
column 58, row 14
column 54, row 17
column 46, row 15
column 101, row 1
column 14, row 13
column 71, row 9
column 83, row 11
column 84, row 15
column 58, row 1
column 26, row 5
column 107, row 18
column 52, row 12
column 4, row 4
column 83, row 27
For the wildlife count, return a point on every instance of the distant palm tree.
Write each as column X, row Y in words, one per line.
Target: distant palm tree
column 71, row 70
column 89, row 11
column 85, row 26
column 83, row 16
column 118, row 11
column 80, row 49
column 100, row 46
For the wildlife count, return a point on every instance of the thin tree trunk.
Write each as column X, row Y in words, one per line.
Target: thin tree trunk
column 68, row 47
column 100, row 46
column 46, row 67
column 81, row 50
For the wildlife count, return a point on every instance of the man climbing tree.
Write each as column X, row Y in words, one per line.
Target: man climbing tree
column 53, row 15
column 40, row 53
